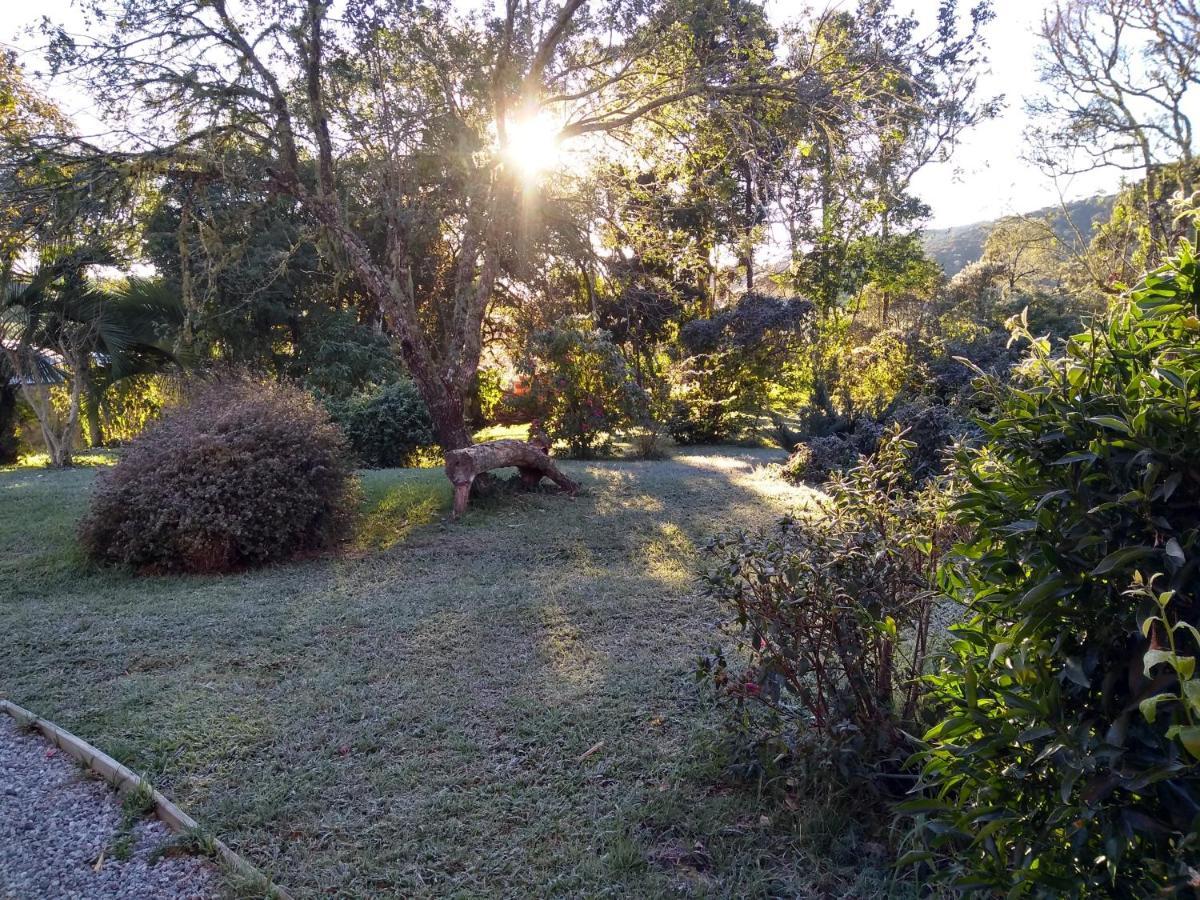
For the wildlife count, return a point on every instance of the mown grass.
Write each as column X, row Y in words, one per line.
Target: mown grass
column 502, row 706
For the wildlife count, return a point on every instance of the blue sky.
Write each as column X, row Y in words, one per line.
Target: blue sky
column 987, row 177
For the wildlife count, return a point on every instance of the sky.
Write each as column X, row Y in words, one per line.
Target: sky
column 986, row 179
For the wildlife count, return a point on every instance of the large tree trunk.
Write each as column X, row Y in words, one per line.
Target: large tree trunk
column 92, row 414
column 443, row 388
column 447, row 409
column 8, row 424
column 531, row 459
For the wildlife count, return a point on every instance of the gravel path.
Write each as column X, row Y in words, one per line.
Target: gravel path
column 55, row 822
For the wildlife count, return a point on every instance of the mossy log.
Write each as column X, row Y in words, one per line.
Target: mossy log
column 531, row 459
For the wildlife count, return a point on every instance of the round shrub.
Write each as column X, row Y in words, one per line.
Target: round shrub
column 933, row 428
column 697, row 422
column 241, row 473
column 819, row 458
column 387, row 428
column 585, row 387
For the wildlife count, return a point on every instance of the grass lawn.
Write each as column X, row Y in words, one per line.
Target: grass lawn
column 499, row 707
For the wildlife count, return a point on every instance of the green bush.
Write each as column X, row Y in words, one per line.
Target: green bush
column 242, row 473
column 819, row 458
column 931, row 427
column 488, row 396
column 835, row 612
column 386, row 428
column 698, row 421
column 1065, row 759
column 734, row 364
column 585, row 388
column 934, row 428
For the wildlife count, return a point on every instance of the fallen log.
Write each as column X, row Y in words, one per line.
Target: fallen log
column 532, row 459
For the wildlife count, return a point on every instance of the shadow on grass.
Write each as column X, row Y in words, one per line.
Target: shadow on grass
column 498, row 707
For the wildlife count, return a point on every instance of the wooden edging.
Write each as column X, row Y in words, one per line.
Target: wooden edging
column 125, row 780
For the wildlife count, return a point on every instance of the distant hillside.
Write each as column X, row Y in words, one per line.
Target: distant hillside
column 956, row 247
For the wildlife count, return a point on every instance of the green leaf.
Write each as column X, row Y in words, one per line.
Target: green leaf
column 1112, row 422
column 1184, row 666
column 1001, row 648
column 1041, row 590
column 912, row 857
column 1074, row 672
column 1189, row 736
column 1149, row 706
column 1120, row 558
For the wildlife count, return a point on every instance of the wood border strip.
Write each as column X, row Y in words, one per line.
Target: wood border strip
column 124, row 780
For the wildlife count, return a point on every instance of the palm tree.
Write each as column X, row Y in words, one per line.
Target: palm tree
column 58, row 325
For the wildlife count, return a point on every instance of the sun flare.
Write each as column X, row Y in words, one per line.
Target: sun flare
column 533, row 143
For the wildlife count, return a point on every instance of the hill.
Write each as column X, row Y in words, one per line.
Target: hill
column 958, row 246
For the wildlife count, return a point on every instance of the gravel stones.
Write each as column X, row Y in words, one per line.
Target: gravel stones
column 56, row 821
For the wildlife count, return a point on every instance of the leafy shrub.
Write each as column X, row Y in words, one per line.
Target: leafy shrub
column 734, row 363
column 933, row 428
column 337, row 357
column 649, row 435
column 488, row 395
column 819, row 458
column 816, row 459
column 388, row 427
column 878, row 372
column 836, row 612
column 697, row 422
column 584, row 387
column 1065, row 758
column 242, row 473
column 130, row 404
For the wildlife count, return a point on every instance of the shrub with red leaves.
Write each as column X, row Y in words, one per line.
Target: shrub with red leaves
column 242, row 473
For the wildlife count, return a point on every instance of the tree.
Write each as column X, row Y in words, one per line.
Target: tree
column 58, row 327
column 255, row 290
column 846, row 200
column 1028, row 252
column 23, row 114
column 1119, row 75
column 409, row 109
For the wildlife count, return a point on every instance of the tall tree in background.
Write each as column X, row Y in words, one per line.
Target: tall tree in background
column 1119, row 77
column 846, row 200
column 410, row 109
column 853, row 181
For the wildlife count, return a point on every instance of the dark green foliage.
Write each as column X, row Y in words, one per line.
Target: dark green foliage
column 746, row 324
column 733, row 361
column 933, row 428
column 697, row 423
column 336, row 357
column 816, row 459
column 585, row 388
column 835, row 612
column 243, row 473
column 9, row 446
column 1064, row 761
column 930, row 426
column 387, row 428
